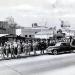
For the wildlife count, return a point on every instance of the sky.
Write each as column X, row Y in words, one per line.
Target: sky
column 44, row 12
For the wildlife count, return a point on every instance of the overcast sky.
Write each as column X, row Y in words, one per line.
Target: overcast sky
column 48, row 12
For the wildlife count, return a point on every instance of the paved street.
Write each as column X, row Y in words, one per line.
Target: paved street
column 63, row 64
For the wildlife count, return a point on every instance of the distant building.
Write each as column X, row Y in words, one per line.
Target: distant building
column 36, row 32
column 46, row 34
column 29, row 32
column 5, row 28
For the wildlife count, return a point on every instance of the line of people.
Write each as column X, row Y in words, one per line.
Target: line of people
column 15, row 48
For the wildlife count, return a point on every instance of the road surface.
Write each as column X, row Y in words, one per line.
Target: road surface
column 63, row 64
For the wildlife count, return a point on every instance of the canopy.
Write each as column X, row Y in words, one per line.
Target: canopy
column 43, row 36
column 1, row 35
column 46, row 34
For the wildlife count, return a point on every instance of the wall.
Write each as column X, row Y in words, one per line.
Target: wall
column 6, row 29
column 30, row 31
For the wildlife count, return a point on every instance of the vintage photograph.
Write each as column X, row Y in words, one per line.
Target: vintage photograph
column 37, row 37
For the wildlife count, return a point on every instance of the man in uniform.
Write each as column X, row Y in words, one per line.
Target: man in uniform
column 12, row 50
column 15, row 47
column 2, row 51
column 42, row 47
column 29, row 47
column 7, row 50
column 26, row 48
column 35, row 47
column 18, row 48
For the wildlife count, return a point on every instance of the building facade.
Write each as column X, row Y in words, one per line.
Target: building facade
column 36, row 32
column 45, row 34
column 29, row 32
column 5, row 28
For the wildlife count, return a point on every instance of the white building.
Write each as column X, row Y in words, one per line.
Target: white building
column 30, row 31
column 45, row 34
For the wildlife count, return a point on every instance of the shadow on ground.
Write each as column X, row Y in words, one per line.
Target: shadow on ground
column 32, row 55
column 19, row 57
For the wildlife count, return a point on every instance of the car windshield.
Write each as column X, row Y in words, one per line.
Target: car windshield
column 58, row 44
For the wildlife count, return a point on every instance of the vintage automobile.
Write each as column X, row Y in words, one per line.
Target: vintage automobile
column 59, row 47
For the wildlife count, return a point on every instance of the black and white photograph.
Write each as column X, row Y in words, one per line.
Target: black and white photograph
column 37, row 37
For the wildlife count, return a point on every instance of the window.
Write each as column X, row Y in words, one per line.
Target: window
column 66, row 44
column 25, row 35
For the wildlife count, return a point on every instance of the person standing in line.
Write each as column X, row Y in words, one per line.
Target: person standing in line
column 26, row 48
column 15, row 47
column 34, row 47
column 42, row 47
column 18, row 48
column 2, row 51
column 12, row 50
column 4, row 47
column 23, row 44
column 7, row 50
column 29, row 47
column 9, row 44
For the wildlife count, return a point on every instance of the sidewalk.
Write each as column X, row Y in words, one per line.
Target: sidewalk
column 22, row 55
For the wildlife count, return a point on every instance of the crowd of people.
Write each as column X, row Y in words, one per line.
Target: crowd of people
column 16, row 48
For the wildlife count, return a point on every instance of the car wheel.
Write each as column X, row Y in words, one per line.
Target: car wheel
column 55, row 52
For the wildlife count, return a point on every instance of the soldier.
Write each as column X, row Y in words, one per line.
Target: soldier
column 42, row 44
column 15, row 47
column 26, row 48
column 23, row 45
column 18, row 48
column 4, row 47
column 29, row 47
column 7, row 50
column 35, row 47
column 12, row 50
column 2, row 51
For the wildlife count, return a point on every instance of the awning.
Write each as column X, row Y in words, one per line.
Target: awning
column 11, row 35
column 1, row 35
column 43, row 36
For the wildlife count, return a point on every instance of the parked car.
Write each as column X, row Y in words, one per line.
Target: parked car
column 59, row 47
